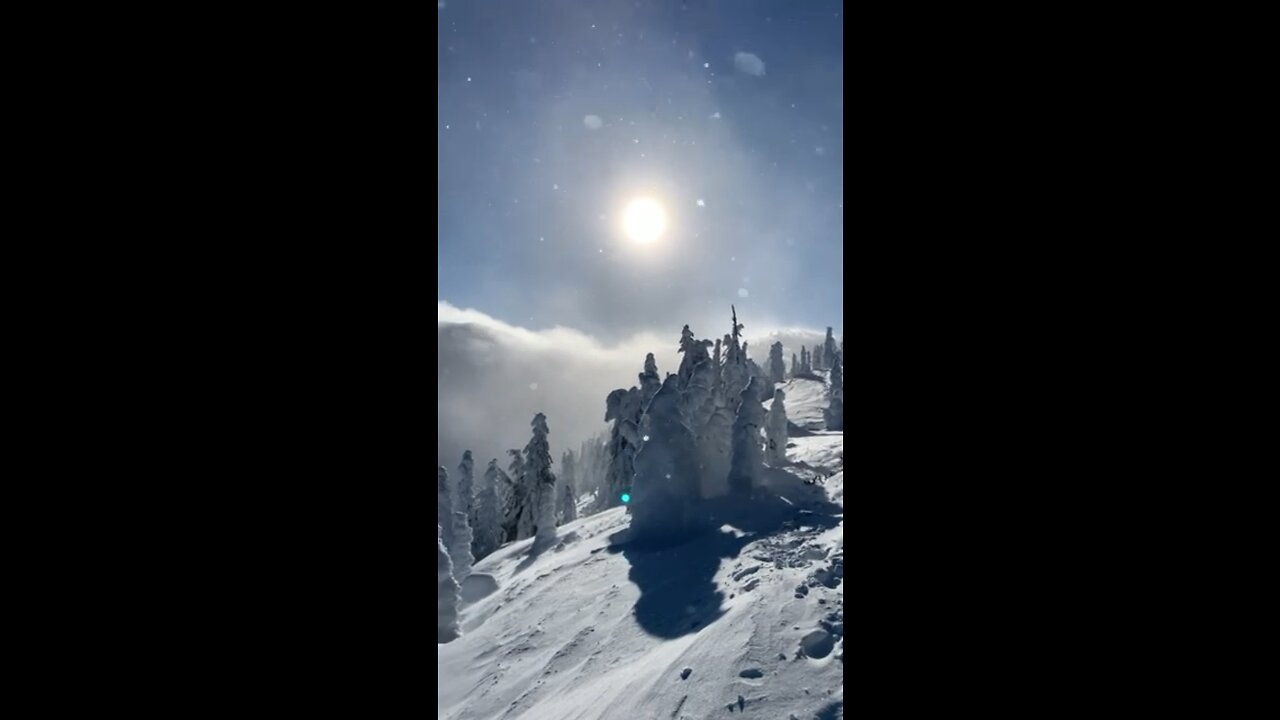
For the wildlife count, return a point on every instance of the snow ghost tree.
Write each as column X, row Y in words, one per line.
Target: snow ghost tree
column 567, row 509
column 695, row 399
column 485, row 520
column 453, row 526
column 795, row 365
column 766, row 385
column 776, row 431
column 518, row 512
column 834, row 412
column 460, row 550
column 815, row 358
column 715, row 441
column 465, row 499
column 805, row 369
column 829, row 350
column 537, row 455
column 777, row 366
column 446, row 593
column 624, row 408
column 444, row 504
column 650, row 382
column 666, row 488
column 748, row 461
column 734, row 373
column 694, row 352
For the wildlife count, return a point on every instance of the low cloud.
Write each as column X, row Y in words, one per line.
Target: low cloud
column 493, row 377
column 749, row 63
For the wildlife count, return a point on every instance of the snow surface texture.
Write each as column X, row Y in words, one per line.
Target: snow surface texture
column 745, row 621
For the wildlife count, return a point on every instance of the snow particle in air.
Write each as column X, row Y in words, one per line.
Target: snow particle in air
column 742, row 292
column 702, row 203
column 646, row 438
column 715, row 115
column 749, row 63
column 533, row 386
column 468, row 79
column 593, row 122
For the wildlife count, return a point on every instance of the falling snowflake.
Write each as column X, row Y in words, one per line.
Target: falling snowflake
column 468, row 79
column 533, row 386
column 715, row 115
column 706, row 65
column 593, row 122
column 701, row 202
column 646, row 438
column 742, row 292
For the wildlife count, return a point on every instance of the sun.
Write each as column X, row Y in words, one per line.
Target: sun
column 644, row 220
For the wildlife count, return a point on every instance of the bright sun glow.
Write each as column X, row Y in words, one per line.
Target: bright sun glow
column 644, row 220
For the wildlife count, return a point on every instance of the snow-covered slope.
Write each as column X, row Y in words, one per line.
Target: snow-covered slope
column 805, row 401
column 748, row 620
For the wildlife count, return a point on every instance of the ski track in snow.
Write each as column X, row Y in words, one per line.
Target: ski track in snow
column 587, row 631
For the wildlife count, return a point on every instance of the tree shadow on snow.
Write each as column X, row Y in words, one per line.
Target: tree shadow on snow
column 676, row 575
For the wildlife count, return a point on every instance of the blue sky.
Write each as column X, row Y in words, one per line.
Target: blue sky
column 531, row 195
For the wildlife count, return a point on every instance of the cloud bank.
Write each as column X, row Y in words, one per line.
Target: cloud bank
column 493, row 378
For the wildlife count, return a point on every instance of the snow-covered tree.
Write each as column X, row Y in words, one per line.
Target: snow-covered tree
column 715, row 359
column 446, row 592
column 766, row 385
column 834, row 412
column 486, row 519
column 805, row 368
column 460, row 551
column 748, row 458
column 567, row 510
column 465, row 499
column 715, row 438
column 444, row 504
column 795, row 365
column 815, row 359
column 518, row 511
column 829, row 350
column 453, row 524
column 734, row 373
column 694, row 352
column 650, row 381
column 666, row 487
column 777, row 366
column 776, row 431
column 537, row 456
column 695, row 400
column 624, row 408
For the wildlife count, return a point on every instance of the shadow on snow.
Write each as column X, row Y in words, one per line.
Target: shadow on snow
column 678, row 595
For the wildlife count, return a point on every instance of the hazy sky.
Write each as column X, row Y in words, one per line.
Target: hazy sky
column 531, row 197
column 552, row 116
